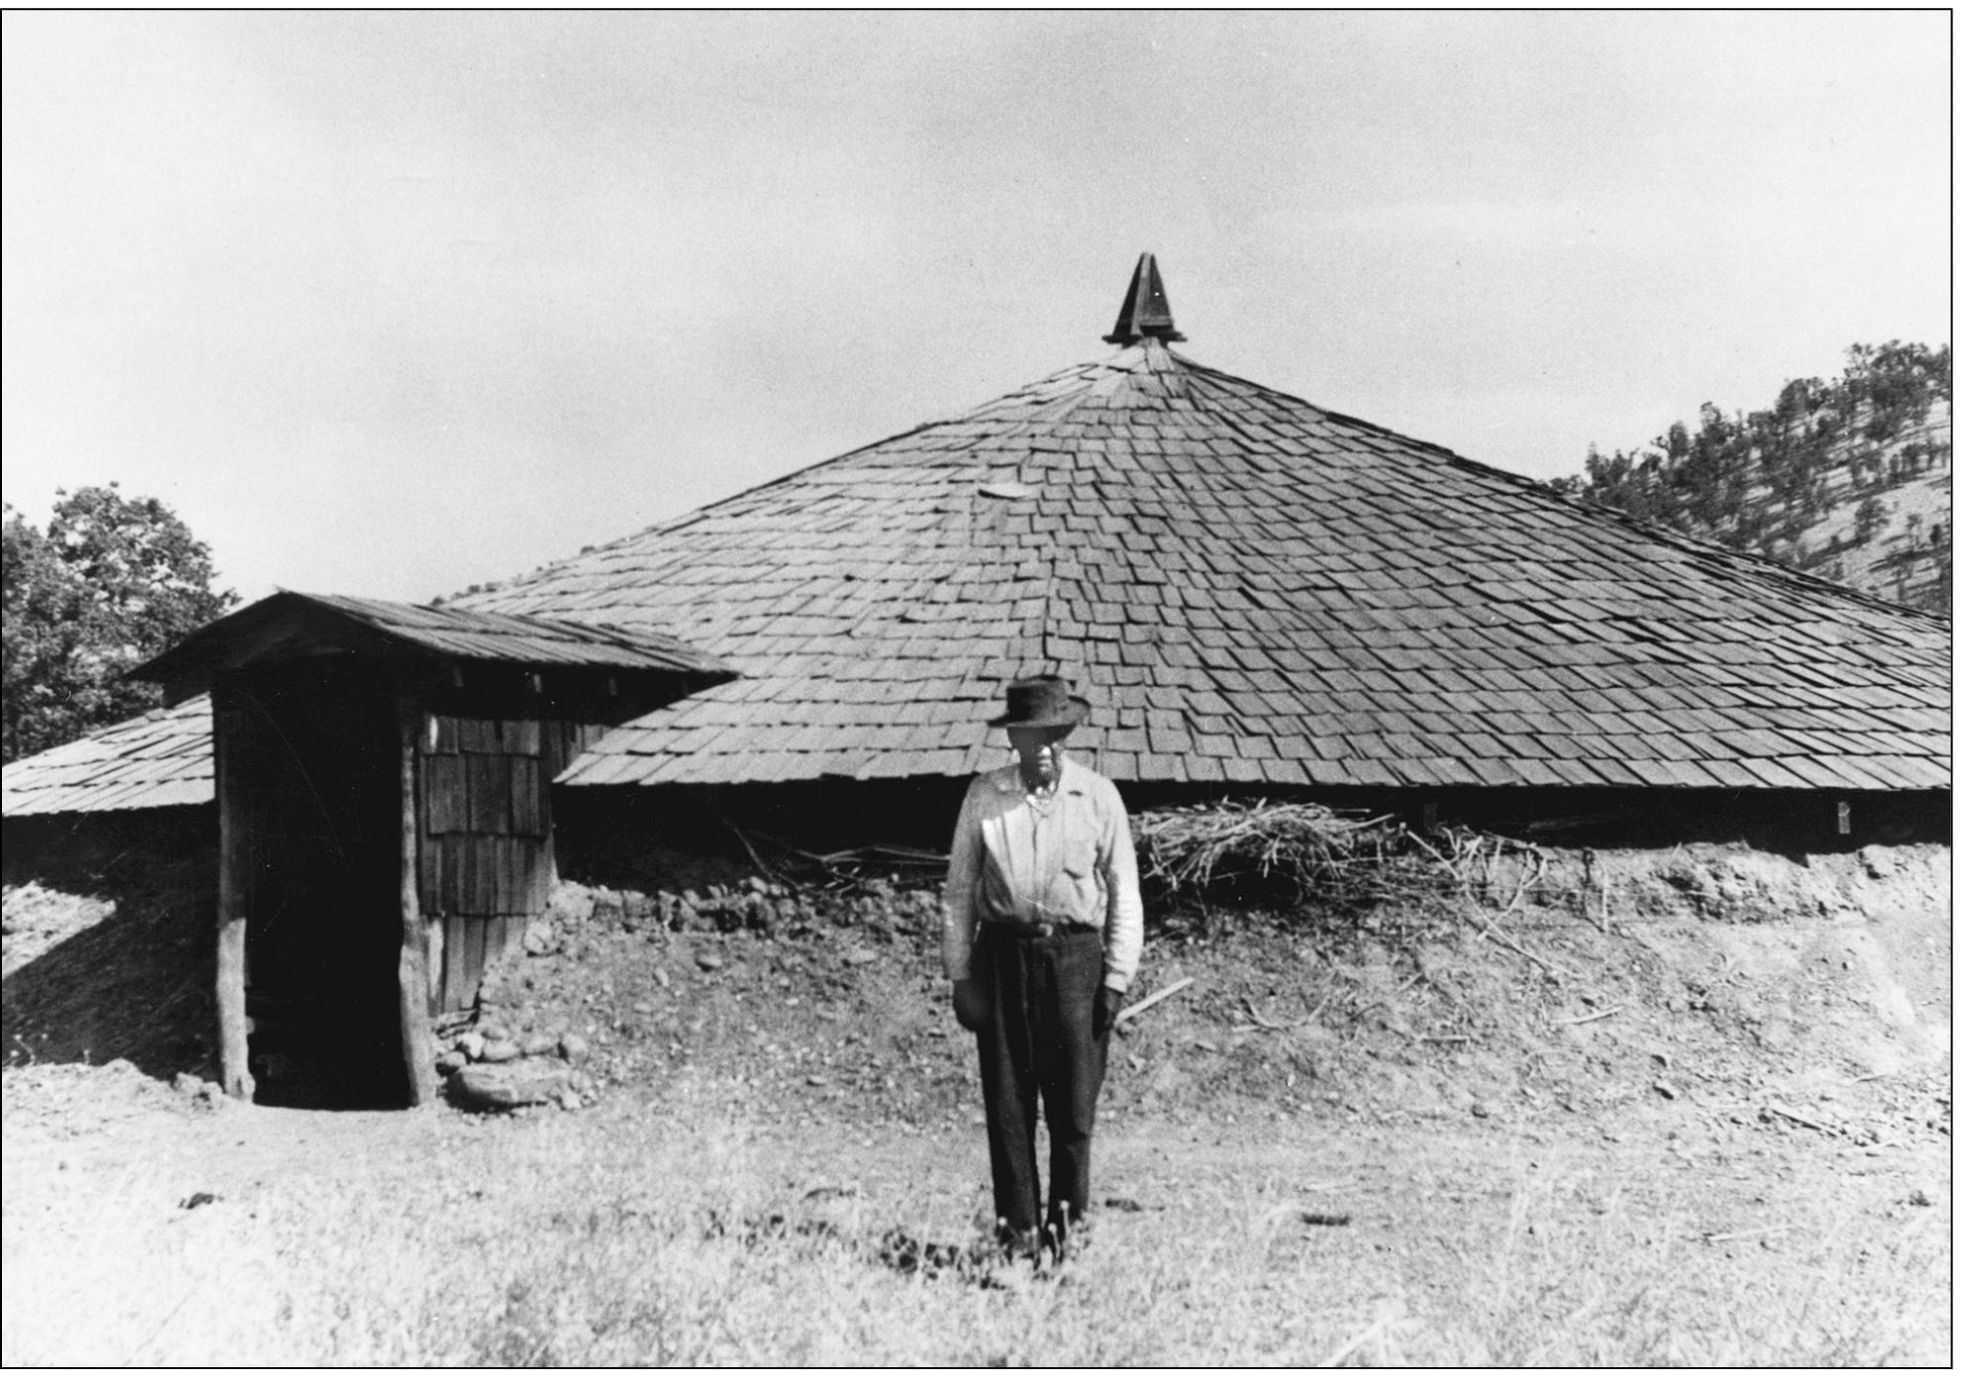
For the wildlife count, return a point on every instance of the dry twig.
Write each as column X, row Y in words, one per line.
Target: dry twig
column 1805, row 1120
column 1588, row 1017
column 1161, row 996
column 1352, row 1345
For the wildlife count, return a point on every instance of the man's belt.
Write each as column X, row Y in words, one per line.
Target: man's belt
column 1030, row 930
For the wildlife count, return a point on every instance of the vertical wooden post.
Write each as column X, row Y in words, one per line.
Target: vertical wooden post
column 414, row 993
column 230, row 970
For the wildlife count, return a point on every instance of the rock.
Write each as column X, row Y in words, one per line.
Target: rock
column 186, row 1083
column 1923, row 1196
column 500, row 1052
column 493, row 1031
column 571, row 903
column 509, row 1086
column 707, row 960
column 538, row 1044
column 574, row 1046
column 471, row 1044
column 664, row 979
column 539, row 937
column 639, row 905
column 1481, row 1110
column 570, row 1100
column 450, row 1061
column 863, row 955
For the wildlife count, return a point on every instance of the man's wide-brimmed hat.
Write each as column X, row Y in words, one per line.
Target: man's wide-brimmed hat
column 1041, row 702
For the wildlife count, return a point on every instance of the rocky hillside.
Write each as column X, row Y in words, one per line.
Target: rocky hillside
column 1846, row 479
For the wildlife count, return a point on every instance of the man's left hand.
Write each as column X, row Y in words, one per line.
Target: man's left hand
column 1109, row 1001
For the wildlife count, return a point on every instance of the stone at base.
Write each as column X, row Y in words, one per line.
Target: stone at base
column 512, row 1085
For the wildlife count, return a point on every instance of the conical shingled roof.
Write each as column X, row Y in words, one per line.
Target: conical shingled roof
column 1252, row 590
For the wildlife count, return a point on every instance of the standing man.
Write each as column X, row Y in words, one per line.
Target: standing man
column 1043, row 929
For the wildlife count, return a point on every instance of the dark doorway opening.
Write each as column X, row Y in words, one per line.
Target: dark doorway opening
column 317, row 746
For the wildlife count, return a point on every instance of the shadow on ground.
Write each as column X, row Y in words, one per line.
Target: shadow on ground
column 109, row 943
column 134, row 986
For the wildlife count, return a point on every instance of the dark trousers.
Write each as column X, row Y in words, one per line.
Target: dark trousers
column 1040, row 1039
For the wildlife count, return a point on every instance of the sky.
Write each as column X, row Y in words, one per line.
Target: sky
column 390, row 304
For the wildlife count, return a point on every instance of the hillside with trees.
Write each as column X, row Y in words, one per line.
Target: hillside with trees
column 1847, row 479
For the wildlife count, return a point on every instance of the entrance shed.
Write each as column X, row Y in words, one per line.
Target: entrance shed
column 382, row 773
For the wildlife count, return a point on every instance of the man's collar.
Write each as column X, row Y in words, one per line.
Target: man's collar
column 1075, row 779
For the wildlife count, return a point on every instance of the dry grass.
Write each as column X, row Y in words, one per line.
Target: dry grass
column 1654, row 1284
column 575, row 1241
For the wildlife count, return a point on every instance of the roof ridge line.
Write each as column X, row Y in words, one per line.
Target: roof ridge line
column 678, row 520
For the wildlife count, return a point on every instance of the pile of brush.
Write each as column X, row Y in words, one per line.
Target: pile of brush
column 1273, row 848
column 1298, row 852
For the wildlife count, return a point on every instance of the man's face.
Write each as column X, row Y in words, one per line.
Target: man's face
column 1041, row 751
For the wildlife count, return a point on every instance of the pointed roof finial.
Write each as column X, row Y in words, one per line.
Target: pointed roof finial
column 1145, row 312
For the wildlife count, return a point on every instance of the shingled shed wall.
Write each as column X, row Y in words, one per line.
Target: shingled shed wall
column 487, row 857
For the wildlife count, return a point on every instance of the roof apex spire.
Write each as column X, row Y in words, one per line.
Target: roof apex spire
column 1145, row 312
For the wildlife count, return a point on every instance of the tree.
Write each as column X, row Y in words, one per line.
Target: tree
column 1869, row 519
column 113, row 581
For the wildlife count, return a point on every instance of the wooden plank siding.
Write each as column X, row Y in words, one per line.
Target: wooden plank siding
column 486, row 848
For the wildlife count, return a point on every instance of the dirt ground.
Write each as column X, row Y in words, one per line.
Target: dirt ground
column 1396, row 1098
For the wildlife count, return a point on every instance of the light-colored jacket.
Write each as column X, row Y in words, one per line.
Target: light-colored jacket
column 1071, row 866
